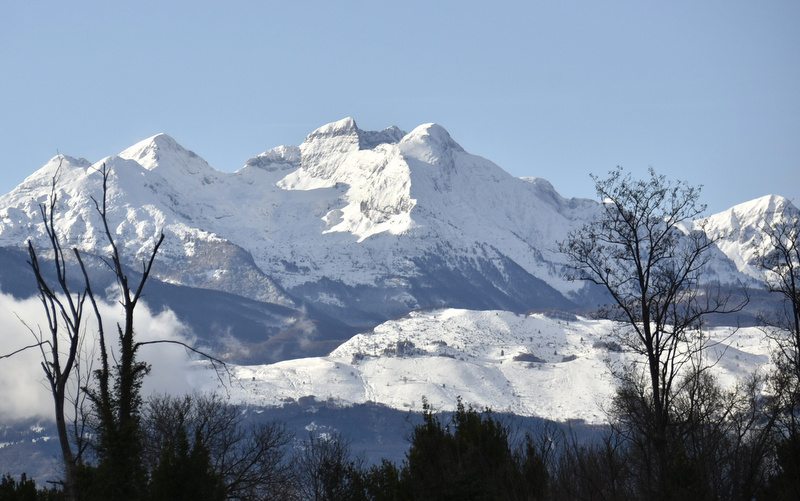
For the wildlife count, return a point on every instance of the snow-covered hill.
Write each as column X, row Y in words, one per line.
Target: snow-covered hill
column 554, row 367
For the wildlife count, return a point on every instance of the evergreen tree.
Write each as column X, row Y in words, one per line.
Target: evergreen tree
column 185, row 473
column 470, row 458
column 25, row 490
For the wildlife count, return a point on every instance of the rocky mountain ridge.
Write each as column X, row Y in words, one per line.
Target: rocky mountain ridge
column 358, row 226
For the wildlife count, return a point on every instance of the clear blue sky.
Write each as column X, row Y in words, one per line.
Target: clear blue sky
column 708, row 91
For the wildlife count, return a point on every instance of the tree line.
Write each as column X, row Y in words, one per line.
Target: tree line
column 674, row 432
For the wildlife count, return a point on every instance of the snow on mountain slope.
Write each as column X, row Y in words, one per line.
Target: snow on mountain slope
column 142, row 202
column 428, row 190
column 534, row 365
column 363, row 225
column 163, row 154
column 739, row 230
column 346, row 218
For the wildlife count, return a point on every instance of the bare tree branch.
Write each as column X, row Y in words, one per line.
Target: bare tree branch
column 644, row 252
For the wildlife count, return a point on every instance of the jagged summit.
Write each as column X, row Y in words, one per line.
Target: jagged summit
column 371, row 139
column 345, row 126
column 346, row 135
column 739, row 230
column 275, row 159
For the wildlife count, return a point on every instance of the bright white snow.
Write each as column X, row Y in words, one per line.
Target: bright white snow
column 357, row 207
column 443, row 354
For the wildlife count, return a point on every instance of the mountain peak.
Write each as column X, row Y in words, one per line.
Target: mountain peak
column 161, row 152
column 345, row 135
column 148, row 151
column 344, row 128
column 766, row 205
column 755, row 212
column 430, row 143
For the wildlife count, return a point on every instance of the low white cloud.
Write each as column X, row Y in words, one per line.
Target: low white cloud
column 24, row 390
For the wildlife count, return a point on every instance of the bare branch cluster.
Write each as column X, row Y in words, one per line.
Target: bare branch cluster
column 645, row 251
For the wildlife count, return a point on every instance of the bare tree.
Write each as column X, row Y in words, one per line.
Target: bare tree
column 60, row 345
column 114, row 392
column 781, row 265
column 117, row 409
column 252, row 459
column 644, row 252
column 325, row 467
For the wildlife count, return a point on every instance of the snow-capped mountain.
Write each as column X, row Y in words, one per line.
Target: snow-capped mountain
column 367, row 267
column 739, row 230
column 341, row 233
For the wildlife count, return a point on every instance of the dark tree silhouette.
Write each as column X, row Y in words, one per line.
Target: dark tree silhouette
column 250, row 460
column 120, row 471
column 114, row 391
column 781, row 265
column 60, row 344
column 644, row 251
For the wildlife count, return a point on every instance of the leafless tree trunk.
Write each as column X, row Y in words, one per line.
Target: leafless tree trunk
column 65, row 323
column 116, row 396
column 115, row 390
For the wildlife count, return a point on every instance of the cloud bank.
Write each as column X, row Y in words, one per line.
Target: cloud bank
column 24, row 390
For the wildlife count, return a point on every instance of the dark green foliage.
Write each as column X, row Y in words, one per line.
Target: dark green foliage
column 382, row 483
column 22, row 490
column 470, row 458
column 342, row 481
column 185, row 473
column 120, row 472
column 533, row 467
column 25, row 489
column 785, row 482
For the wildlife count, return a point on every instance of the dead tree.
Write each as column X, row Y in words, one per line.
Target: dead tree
column 64, row 314
column 116, row 397
column 121, row 473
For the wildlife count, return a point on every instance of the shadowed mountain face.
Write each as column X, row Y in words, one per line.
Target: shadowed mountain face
column 305, row 246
